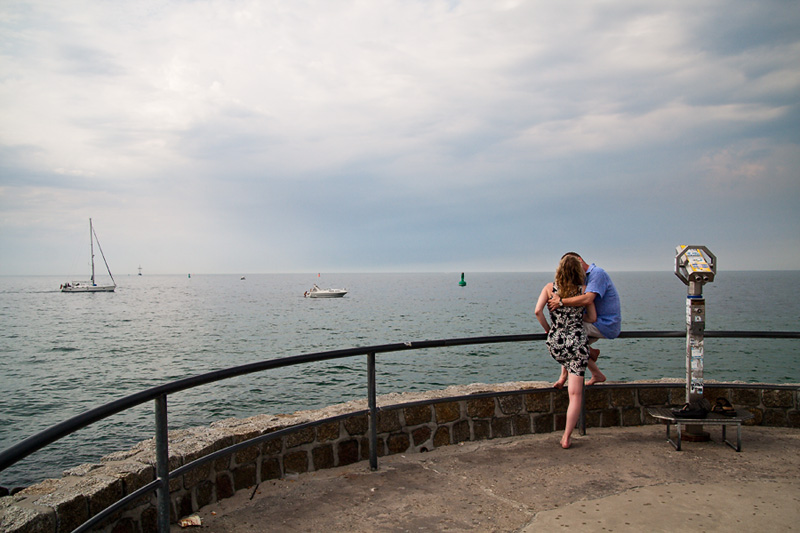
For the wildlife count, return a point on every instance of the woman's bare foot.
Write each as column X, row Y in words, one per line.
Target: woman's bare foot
column 599, row 377
column 565, row 444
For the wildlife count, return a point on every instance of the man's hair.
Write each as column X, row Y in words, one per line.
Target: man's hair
column 574, row 254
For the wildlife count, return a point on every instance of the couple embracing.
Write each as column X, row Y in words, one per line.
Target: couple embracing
column 584, row 306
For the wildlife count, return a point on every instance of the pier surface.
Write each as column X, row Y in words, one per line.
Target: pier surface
column 612, row 479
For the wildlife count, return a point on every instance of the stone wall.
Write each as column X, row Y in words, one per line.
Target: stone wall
column 338, row 435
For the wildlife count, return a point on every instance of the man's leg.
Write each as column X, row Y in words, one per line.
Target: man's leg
column 561, row 379
column 593, row 335
column 597, row 376
column 594, row 353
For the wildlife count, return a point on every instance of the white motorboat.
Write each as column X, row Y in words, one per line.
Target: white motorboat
column 91, row 286
column 316, row 292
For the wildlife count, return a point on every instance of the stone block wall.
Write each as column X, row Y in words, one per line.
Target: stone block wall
column 322, row 441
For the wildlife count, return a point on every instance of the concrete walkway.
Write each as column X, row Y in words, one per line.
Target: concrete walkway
column 612, row 479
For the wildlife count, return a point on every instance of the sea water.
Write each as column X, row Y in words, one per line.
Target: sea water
column 65, row 353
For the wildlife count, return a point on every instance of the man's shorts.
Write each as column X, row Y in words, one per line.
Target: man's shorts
column 592, row 332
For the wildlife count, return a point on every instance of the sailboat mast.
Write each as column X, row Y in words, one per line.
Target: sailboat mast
column 91, row 247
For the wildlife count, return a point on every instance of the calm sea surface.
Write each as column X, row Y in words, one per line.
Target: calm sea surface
column 66, row 353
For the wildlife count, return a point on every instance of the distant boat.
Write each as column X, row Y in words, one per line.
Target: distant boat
column 91, row 286
column 316, row 292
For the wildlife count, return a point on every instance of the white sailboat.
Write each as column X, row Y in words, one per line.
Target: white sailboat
column 91, row 286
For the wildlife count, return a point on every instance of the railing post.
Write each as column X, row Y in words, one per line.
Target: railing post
column 162, row 463
column 373, row 412
column 582, row 417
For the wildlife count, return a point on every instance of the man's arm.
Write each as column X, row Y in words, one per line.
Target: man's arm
column 581, row 300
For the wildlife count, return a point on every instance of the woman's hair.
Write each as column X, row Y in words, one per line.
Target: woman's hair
column 569, row 276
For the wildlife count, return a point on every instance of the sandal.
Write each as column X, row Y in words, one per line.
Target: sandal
column 691, row 410
column 724, row 407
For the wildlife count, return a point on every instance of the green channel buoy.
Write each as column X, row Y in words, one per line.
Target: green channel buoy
column 462, row 283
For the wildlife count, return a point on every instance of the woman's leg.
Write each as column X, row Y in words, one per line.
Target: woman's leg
column 574, row 410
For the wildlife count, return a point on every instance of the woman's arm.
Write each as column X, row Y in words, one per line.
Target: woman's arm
column 547, row 291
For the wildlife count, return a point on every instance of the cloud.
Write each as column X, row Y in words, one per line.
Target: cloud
column 395, row 135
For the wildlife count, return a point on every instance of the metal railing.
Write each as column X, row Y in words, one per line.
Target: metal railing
column 159, row 394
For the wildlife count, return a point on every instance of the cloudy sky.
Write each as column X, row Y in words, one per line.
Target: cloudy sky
column 233, row 136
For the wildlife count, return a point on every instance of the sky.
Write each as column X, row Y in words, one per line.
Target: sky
column 228, row 136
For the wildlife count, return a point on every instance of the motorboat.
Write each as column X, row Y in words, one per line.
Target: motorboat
column 316, row 292
column 91, row 286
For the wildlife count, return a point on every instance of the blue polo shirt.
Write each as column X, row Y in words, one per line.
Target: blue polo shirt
column 609, row 311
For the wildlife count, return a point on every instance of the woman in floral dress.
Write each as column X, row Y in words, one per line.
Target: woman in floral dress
column 566, row 338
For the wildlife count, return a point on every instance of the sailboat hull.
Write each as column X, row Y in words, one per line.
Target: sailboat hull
column 78, row 286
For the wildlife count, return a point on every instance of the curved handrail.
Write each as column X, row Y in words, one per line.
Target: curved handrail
column 22, row 449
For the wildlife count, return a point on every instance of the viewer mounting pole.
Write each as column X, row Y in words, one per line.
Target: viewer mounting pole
column 695, row 266
column 373, row 412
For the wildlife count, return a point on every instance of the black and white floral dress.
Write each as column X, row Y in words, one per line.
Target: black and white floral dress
column 566, row 339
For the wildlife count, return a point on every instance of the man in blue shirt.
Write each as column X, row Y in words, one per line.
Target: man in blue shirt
column 600, row 290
